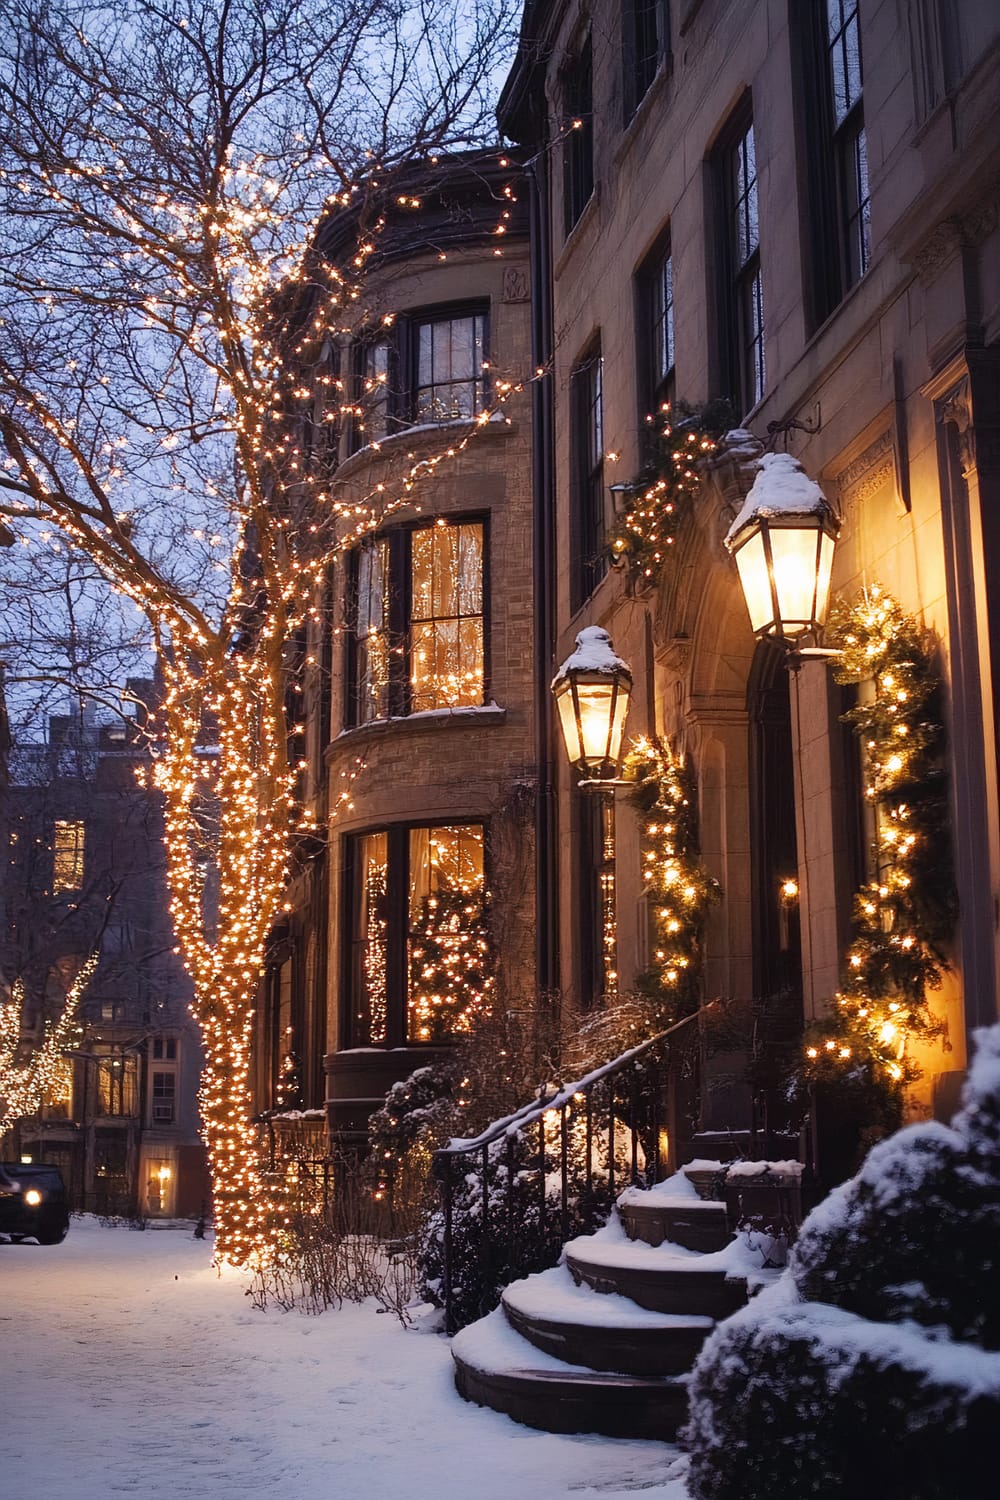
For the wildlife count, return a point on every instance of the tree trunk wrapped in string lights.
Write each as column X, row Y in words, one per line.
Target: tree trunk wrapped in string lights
column 906, row 911
column 169, row 387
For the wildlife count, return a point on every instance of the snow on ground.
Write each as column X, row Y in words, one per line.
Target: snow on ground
column 131, row 1368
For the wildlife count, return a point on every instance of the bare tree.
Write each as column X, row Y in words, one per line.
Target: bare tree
column 163, row 165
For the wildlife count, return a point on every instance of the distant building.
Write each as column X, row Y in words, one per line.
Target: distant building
column 84, row 869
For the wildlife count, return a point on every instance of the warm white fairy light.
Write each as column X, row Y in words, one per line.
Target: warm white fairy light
column 28, row 1082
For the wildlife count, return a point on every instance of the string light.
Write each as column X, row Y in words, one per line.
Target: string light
column 679, row 891
column 643, row 535
column 905, row 911
column 26, row 1083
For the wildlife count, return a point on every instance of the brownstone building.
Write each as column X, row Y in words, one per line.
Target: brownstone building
column 792, row 206
column 416, row 907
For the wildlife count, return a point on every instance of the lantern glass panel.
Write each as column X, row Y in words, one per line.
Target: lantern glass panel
column 595, row 700
column 793, row 549
column 751, row 562
column 827, row 546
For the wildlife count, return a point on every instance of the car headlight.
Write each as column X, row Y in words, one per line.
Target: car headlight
column 32, row 1197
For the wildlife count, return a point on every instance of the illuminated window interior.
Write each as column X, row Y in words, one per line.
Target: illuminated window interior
column 67, row 856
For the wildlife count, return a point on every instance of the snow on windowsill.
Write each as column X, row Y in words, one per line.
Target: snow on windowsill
column 498, row 425
column 473, row 714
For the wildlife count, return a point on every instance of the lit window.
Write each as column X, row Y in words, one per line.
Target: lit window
column 421, row 969
column 419, row 589
column 67, row 856
column 116, row 1085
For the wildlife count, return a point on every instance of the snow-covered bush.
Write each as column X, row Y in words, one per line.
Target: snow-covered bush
column 877, row 1347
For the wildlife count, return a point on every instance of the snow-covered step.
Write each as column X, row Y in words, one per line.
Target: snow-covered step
column 496, row 1367
column 689, row 1222
column 573, row 1323
column 667, row 1278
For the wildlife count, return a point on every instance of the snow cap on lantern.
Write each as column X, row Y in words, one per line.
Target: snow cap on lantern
column 592, row 690
column 783, row 540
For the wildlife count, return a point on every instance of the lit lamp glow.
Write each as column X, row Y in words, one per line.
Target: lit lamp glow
column 783, row 541
column 592, row 690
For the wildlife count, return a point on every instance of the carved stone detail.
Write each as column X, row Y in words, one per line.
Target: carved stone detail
column 941, row 246
column 874, row 467
column 955, row 407
column 516, row 286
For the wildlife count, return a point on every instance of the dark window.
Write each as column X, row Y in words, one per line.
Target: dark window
column 164, row 1095
column 116, row 1085
column 419, row 963
column 836, row 160
column 645, row 43
column 849, row 143
column 578, row 146
column 597, row 916
column 588, row 561
column 655, row 332
column 165, row 1047
column 432, row 368
column 450, row 381
column 418, row 641
column 743, row 298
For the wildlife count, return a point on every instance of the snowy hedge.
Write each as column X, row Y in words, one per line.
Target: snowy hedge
column 871, row 1367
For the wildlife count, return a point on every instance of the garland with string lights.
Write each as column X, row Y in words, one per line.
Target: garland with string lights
column 26, row 1083
column 679, row 890
column 680, row 436
column 905, row 913
column 451, row 965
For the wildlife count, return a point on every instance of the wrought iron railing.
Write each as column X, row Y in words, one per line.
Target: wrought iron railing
column 552, row 1169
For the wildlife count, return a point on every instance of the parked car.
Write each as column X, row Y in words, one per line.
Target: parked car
column 33, row 1203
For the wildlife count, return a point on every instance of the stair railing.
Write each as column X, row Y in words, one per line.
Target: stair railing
column 619, row 1107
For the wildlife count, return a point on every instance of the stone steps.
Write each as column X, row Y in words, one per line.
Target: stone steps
column 542, row 1392
column 603, row 1343
column 691, row 1223
column 605, row 1333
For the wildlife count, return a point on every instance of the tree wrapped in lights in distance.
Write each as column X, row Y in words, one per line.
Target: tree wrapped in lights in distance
column 28, row 1082
column 166, row 409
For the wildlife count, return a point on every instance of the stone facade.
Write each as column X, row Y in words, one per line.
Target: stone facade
column 880, row 377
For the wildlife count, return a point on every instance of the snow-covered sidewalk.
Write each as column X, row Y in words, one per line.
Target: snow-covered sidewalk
column 130, row 1367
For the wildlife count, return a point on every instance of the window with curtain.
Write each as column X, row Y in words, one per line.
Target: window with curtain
column 418, row 641
column 432, row 366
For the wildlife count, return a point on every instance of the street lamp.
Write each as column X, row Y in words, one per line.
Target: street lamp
column 592, row 690
column 783, row 542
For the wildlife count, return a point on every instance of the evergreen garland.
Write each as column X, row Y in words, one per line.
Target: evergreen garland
column 904, row 914
column 679, row 436
column 679, row 889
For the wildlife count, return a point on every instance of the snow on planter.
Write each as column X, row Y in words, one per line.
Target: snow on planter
column 873, row 1366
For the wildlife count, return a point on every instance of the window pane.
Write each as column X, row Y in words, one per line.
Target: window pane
column 450, row 377
column 446, row 624
column 370, row 940
column 67, row 857
column 449, row 955
column 372, row 633
column 374, row 395
column 663, row 321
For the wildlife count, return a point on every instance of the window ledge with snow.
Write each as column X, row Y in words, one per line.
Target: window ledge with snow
column 416, row 441
column 430, row 720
